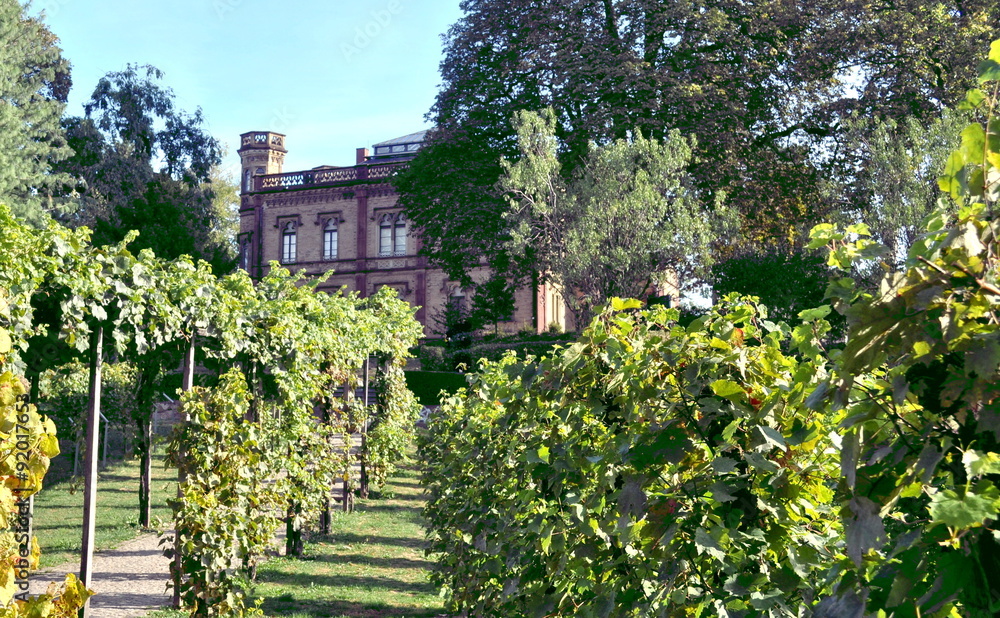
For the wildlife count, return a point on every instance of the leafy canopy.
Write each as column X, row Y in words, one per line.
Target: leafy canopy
column 626, row 221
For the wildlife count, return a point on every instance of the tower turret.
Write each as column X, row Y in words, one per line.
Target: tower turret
column 262, row 152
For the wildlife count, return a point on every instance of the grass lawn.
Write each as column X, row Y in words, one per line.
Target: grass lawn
column 371, row 565
column 58, row 520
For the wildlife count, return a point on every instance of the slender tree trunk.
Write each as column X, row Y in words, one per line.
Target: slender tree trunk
column 34, row 395
column 325, row 517
column 252, row 383
column 143, row 417
column 293, row 534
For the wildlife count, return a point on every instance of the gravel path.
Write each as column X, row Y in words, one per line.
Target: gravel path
column 129, row 580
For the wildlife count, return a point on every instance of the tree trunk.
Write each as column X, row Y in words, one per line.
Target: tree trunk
column 324, row 517
column 35, row 378
column 293, row 534
column 145, row 470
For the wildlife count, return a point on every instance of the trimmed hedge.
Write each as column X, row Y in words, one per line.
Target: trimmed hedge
column 427, row 385
column 436, row 357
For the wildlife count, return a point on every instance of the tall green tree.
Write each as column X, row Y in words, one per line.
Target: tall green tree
column 142, row 164
column 765, row 88
column 627, row 220
column 896, row 185
column 34, row 84
column 224, row 188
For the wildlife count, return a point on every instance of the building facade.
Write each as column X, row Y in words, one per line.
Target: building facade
column 348, row 220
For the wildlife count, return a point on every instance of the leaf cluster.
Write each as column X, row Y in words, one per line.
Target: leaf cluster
column 918, row 381
column 27, row 444
column 647, row 469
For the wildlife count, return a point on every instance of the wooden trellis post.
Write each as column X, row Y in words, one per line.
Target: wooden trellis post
column 363, row 481
column 187, row 383
column 90, row 465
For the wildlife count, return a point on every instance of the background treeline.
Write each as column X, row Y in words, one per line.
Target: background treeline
column 132, row 161
column 794, row 113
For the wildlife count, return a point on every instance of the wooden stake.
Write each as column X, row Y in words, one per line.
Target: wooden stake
column 363, row 481
column 90, row 465
column 187, row 382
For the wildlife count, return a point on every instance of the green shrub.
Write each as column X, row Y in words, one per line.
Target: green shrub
column 427, row 385
column 646, row 470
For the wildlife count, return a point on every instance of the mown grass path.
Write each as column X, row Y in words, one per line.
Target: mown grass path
column 58, row 521
column 371, row 565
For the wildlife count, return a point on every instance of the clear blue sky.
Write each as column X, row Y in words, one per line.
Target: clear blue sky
column 332, row 75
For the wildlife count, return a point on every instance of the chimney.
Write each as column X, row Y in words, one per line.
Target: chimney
column 363, row 154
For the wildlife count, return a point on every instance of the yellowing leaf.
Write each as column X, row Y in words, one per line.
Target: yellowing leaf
column 540, row 455
column 8, row 585
column 49, row 445
column 727, row 388
column 546, row 542
column 973, row 98
column 36, row 553
column 973, row 143
column 619, row 304
column 978, row 463
column 5, row 342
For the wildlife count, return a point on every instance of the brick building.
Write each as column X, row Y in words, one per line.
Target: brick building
column 346, row 219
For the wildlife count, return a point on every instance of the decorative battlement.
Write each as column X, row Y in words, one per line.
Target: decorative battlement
column 257, row 140
column 327, row 177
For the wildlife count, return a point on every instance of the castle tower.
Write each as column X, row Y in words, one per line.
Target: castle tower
column 262, row 152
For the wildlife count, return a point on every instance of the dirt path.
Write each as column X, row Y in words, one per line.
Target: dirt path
column 129, row 580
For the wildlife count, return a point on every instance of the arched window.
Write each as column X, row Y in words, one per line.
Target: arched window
column 457, row 300
column 248, row 182
column 245, row 254
column 330, row 240
column 400, row 245
column 289, row 243
column 385, row 236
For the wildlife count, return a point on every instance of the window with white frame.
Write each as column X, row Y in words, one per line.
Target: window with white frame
column 330, row 239
column 457, row 300
column 399, row 247
column 289, row 243
column 392, row 235
column 385, row 236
